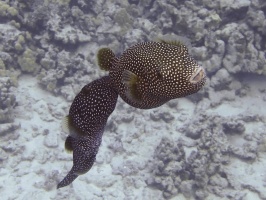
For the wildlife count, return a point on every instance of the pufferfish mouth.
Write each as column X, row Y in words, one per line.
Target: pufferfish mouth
column 197, row 75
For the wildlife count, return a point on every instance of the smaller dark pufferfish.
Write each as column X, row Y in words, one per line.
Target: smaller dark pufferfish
column 149, row 74
column 85, row 124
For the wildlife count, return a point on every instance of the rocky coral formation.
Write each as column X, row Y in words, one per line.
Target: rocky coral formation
column 62, row 37
column 7, row 100
column 170, row 158
column 50, row 54
column 200, row 170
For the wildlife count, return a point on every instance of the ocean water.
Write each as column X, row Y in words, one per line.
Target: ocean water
column 208, row 145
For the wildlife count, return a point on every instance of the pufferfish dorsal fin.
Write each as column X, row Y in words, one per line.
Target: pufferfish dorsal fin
column 179, row 41
column 131, row 81
column 176, row 43
column 172, row 42
column 68, row 145
column 68, row 128
column 104, row 58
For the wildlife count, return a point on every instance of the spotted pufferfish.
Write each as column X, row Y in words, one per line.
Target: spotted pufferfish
column 85, row 124
column 149, row 74
column 145, row 76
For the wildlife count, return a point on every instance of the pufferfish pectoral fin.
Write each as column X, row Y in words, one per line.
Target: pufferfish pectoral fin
column 131, row 81
column 105, row 57
column 68, row 145
column 69, row 128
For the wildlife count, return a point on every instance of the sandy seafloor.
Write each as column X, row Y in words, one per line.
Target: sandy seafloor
column 39, row 160
column 211, row 145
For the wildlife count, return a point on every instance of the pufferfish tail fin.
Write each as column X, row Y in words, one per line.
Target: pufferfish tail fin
column 104, row 58
column 131, row 81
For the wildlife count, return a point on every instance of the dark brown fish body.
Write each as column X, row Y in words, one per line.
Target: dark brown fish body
column 85, row 124
column 149, row 74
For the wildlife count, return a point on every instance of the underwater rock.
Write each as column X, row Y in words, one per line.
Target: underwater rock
column 124, row 118
column 27, row 62
column 116, row 145
column 217, row 98
column 166, row 116
column 146, row 25
column 124, row 168
column 49, row 60
column 165, row 149
column 241, row 55
column 171, row 162
column 248, row 151
column 136, row 2
column 7, row 11
column 256, row 19
column 217, row 180
column 200, row 53
column 235, row 85
column 221, row 79
column 3, row 159
column 70, row 35
column 204, row 169
column 172, row 104
column 9, row 35
column 212, row 62
column 194, row 129
column 5, row 59
column 165, row 20
column 51, row 178
column 134, row 36
column 234, row 10
column 8, row 128
column 122, row 18
column 51, row 140
column 65, row 74
column 234, row 127
column 184, row 19
column 186, row 188
column 7, row 100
